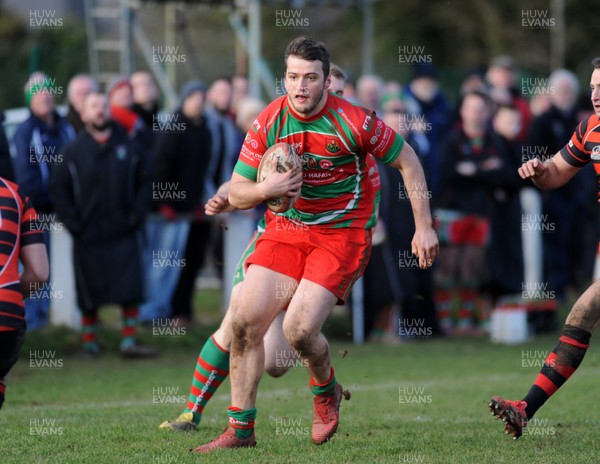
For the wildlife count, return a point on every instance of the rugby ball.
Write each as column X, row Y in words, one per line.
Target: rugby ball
column 284, row 157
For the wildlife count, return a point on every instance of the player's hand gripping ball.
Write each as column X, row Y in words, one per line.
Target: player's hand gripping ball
column 283, row 156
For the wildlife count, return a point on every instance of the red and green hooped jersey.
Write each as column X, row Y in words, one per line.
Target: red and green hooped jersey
column 334, row 146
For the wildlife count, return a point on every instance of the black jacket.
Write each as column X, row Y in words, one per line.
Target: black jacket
column 183, row 155
column 102, row 193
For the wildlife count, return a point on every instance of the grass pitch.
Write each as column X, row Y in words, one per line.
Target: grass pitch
column 418, row 402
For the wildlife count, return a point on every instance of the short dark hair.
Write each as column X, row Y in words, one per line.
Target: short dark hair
column 478, row 93
column 596, row 62
column 309, row 49
column 337, row 72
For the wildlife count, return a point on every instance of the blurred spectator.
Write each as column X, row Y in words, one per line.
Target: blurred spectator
column 185, row 158
column 392, row 87
column 79, row 87
column 392, row 275
column 505, row 253
column 473, row 80
column 539, row 103
column 501, row 77
column 38, row 144
column 226, row 144
column 338, row 79
column 220, row 95
column 159, row 235
column 144, row 97
column 470, row 170
column 240, row 90
column 102, row 192
column 6, row 167
column 120, row 101
column 23, row 241
column 567, row 246
column 427, row 100
column 369, row 90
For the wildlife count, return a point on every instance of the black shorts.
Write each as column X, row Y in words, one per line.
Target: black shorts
column 11, row 343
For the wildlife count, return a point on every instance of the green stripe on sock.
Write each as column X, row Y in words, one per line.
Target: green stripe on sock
column 210, row 354
column 324, row 390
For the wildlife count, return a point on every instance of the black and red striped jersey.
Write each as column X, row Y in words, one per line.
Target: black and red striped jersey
column 19, row 227
column 584, row 145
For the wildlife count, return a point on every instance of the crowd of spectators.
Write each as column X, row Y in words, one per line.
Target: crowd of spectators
column 497, row 233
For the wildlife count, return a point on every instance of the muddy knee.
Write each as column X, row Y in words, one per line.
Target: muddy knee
column 244, row 336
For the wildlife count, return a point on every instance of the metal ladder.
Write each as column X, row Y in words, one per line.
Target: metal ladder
column 111, row 28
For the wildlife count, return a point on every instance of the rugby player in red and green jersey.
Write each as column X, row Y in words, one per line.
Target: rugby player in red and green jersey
column 212, row 366
column 584, row 317
column 321, row 245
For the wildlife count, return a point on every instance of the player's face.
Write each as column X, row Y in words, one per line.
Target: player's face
column 595, row 88
column 337, row 85
column 306, row 85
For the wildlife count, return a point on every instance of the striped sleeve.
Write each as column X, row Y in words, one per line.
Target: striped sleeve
column 32, row 229
column 574, row 152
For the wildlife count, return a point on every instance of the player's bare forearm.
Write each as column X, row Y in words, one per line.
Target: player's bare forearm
column 219, row 202
column 425, row 243
column 416, row 186
column 548, row 175
column 35, row 268
column 244, row 193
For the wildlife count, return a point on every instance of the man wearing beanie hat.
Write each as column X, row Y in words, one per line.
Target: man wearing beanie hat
column 183, row 153
column 38, row 142
column 120, row 100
